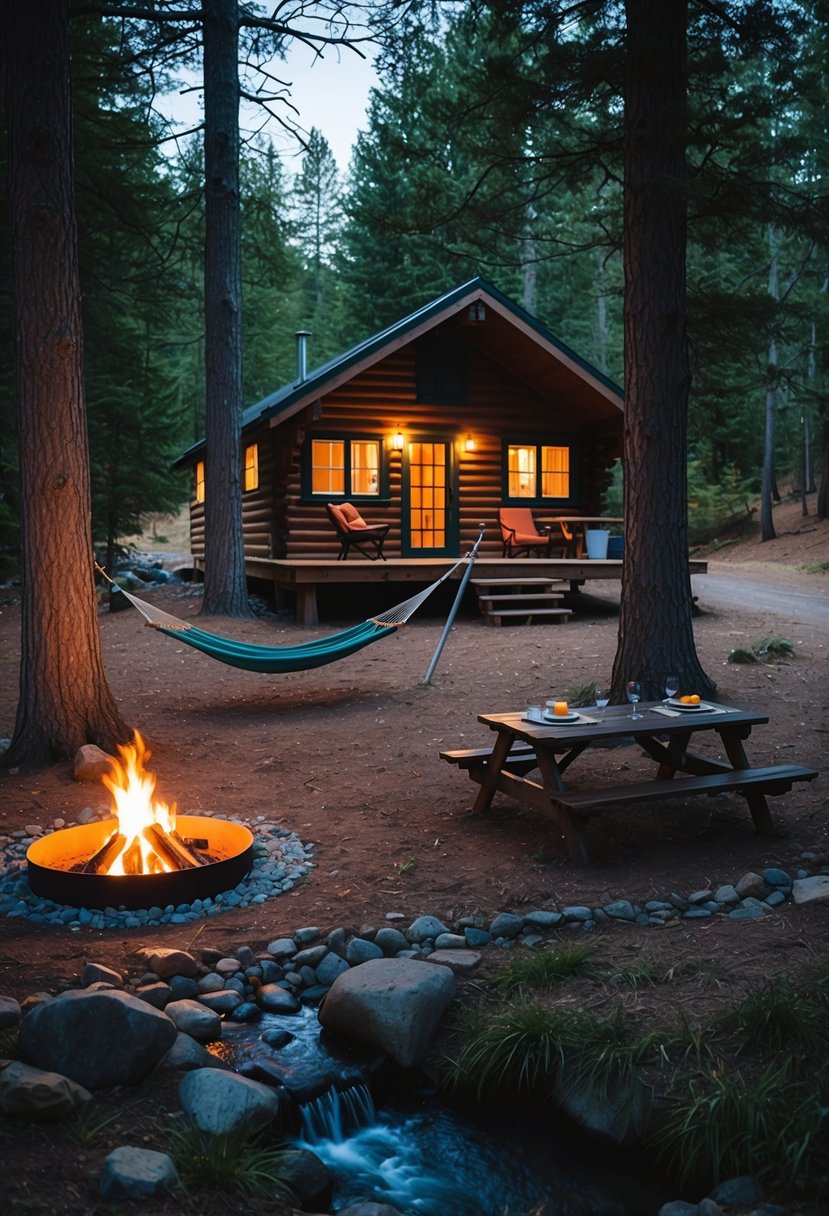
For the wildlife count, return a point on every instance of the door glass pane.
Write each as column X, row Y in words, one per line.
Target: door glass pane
column 555, row 472
column 427, row 497
column 365, row 466
column 328, row 466
column 521, row 471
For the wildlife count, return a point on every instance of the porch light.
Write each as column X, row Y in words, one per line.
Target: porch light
column 397, row 441
column 469, row 444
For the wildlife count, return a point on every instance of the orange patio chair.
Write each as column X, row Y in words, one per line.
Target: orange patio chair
column 354, row 533
column 520, row 534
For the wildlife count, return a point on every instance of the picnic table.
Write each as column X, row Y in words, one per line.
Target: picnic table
column 663, row 732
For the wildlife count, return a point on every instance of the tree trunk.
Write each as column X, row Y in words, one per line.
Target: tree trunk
column 822, row 505
column 65, row 700
column 225, row 586
column 655, row 619
column 768, row 484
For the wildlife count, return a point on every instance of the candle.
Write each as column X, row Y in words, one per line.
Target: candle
column 561, row 708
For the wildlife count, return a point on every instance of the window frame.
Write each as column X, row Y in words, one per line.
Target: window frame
column 538, row 499
column 347, row 495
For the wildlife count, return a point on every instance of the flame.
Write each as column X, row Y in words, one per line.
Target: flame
column 132, row 786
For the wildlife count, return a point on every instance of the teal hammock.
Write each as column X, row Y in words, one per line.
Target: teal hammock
column 277, row 659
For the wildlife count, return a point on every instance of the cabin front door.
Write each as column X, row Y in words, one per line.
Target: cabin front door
column 430, row 526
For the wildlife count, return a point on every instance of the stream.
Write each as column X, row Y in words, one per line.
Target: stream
column 420, row 1156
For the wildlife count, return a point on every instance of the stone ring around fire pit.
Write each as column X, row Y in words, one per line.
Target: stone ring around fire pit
column 213, row 855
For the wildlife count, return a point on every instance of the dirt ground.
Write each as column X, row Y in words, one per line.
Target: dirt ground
column 347, row 757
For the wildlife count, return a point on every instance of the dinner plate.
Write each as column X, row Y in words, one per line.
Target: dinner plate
column 688, row 709
column 556, row 719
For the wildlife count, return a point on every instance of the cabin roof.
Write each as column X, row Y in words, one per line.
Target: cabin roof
column 510, row 335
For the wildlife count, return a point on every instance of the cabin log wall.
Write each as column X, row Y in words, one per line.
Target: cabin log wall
column 279, row 523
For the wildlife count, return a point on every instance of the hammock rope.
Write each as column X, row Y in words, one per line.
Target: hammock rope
column 251, row 656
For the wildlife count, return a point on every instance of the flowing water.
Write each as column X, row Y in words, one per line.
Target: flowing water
column 423, row 1158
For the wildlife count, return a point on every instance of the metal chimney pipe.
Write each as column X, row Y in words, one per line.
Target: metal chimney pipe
column 302, row 336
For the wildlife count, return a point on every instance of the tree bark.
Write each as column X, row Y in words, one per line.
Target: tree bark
column 225, row 585
column 655, row 619
column 768, row 485
column 65, row 700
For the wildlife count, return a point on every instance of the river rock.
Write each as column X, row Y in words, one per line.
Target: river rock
column 812, row 890
column 219, row 1102
column 137, row 1173
column 9, row 1012
column 34, row 1093
column 310, row 1180
column 91, row 763
column 186, row 1054
column 423, row 928
column 396, row 1004
column 165, row 963
column 97, row 1038
column 94, row 973
column 274, row 999
column 367, row 1207
column 202, row 1024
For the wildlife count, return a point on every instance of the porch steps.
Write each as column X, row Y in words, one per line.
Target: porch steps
column 525, row 598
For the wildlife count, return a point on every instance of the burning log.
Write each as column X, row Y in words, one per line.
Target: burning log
column 132, row 858
column 172, row 848
column 100, row 861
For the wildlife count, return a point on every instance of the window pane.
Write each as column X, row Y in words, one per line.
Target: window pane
column 199, row 481
column 252, row 466
column 555, row 472
column 365, row 466
column 328, row 466
column 521, row 471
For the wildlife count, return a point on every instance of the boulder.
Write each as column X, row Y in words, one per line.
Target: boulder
column 395, row 1004
column 97, row 1038
column 137, row 1173
column 96, row 973
column 33, row 1093
column 219, row 1102
column 814, row 890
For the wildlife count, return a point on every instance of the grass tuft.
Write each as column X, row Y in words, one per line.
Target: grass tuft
column 545, row 969
column 239, row 1161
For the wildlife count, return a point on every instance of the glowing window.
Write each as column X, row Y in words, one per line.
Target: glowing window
column 199, row 481
column 251, row 480
column 365, row 466
column 555, row 472
column 521, row 471
column 328, row 466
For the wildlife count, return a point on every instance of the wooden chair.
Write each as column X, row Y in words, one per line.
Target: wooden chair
column 354, row 533
column 520, row 534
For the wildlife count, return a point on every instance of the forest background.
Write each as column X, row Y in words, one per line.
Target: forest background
column 488, row 149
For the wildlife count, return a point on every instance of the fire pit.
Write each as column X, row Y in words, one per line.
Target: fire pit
column 144, row 857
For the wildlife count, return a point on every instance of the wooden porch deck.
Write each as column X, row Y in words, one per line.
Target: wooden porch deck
column 300, row 578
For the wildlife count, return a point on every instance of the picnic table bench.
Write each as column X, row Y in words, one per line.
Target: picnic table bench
column 522, row 746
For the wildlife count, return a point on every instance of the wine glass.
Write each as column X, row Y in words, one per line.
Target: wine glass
column 601, row 697
column 633, row 691
column 671, row 686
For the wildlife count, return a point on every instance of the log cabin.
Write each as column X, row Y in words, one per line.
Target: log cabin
column 464, row 406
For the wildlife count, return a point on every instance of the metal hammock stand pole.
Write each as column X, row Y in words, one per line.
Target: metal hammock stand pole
column 470, row 559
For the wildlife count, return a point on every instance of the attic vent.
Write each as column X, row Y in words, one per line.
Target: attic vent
column 302, row 336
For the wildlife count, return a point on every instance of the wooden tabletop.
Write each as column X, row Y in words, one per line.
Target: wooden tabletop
column 615, row 721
